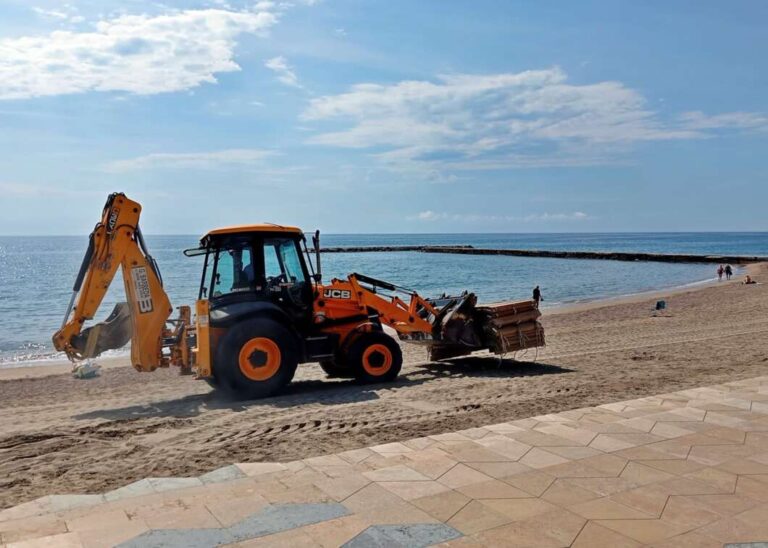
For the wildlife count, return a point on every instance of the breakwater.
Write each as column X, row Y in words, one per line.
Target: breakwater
column 598, row 255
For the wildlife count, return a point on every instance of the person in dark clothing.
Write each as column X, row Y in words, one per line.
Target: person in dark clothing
column 537, row 296
column 728, row 272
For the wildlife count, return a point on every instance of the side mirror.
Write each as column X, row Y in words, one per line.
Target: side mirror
column 316, row 245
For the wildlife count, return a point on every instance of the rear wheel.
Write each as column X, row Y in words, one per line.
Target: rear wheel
column 256, row 358
column 374, row 357
column 336, row 370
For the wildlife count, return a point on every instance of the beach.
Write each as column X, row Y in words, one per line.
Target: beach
column 62, row 435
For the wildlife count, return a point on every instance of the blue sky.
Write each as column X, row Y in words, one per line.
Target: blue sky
column 398, row 116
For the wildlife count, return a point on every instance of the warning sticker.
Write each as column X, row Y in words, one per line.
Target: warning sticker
column 141, row 289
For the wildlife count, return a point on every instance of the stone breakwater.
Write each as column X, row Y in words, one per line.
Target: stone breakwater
column 599, row 255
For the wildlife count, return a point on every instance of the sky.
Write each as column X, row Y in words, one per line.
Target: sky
column 362, row 116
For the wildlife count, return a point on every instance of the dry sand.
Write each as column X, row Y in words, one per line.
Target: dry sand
column 61, row 435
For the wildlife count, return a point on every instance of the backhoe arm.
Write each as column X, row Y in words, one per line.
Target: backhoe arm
column 117, row 242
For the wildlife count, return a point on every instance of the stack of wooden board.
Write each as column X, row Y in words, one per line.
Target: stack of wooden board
column 500, row 328
column 509, row 327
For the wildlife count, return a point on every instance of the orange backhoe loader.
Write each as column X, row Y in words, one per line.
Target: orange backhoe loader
column 262, row 309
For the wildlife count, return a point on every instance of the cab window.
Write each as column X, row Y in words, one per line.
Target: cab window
column 234, row 272
column 282, row 263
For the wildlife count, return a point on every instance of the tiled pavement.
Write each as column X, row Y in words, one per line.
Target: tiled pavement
column 683, row 469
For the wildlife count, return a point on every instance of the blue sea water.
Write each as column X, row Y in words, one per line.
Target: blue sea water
column 36, row 273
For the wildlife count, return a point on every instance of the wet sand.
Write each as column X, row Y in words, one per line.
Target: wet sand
column 62, row 435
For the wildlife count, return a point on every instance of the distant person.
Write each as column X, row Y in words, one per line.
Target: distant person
column 720, row 271
column 728, row 272
column 537, row 298
column 748, row 280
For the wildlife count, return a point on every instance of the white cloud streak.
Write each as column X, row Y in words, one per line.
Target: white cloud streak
column 192, row 160
column 138, row 54
column 531, row 118
column 283, row 72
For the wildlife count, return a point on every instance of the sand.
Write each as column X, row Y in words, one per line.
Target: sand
column 62, row 435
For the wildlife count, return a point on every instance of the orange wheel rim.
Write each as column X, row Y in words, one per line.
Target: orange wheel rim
column 377, row 360
column 259, row 359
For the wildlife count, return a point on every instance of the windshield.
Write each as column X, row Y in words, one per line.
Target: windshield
column 278, row 271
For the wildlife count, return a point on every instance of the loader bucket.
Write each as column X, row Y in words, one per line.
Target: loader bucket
column 463, row 327
column 112, row 333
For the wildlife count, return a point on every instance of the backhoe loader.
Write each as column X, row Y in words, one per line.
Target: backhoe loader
column 261, row 310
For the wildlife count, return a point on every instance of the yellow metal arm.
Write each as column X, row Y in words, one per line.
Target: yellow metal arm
column 117, row 241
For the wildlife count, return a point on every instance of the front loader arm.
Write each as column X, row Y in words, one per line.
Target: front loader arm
column 117, row 242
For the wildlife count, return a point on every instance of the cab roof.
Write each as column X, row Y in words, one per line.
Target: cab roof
column 262, row 227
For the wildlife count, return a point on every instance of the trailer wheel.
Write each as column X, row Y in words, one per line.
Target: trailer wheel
column 336, row 370
column 374, row 357
column 256, row 358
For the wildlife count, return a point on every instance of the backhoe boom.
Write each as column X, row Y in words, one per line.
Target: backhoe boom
column 116, row 241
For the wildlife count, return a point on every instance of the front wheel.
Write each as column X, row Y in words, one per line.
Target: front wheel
column 256, row 358
column 374, row 357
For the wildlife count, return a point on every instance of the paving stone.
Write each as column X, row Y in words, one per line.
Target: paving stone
column 442, row 506
column 640, row 474
column 564, row 493
column 225, row 473
column 391, row 448
column 409, row 490
column 692, row 539
column 493, row 489
column 519, row 509
column 499, row 470
column 461, row 475
column 269, row 520
column 504, row 446
column 395, row 473
column 687, row 511
column 533, row 482
column 335, row 532
column 340, row 488
column 594, row 535
column 168, row 484
column 135, row 489
column 475, row 517
column 64, row 540
column 285, row 516
column 394, row 536
column 539, row 458
column 645, row 531
column 557, row 528
column 259, row 468
column 32, row 527
column 605, row 508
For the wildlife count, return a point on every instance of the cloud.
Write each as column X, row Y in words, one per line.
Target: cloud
column 697, row 120
column 429, row 216
column 285, row 74
column 195, row 160
column 138, row 54
column 531, row 118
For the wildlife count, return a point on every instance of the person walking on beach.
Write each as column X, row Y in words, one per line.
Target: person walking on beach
column 537, row 298
column 728, row 272
column 720, row 271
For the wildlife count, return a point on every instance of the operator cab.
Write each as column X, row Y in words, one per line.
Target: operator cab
column 254, row 269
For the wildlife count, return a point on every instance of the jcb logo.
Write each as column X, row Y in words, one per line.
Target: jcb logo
column 337, row 294
column 112, row 221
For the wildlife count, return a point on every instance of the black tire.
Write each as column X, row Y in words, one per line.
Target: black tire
column 336, row 370
column 270, row 356
column 374, row 357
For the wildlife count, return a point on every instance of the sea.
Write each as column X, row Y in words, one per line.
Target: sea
column 37, row 273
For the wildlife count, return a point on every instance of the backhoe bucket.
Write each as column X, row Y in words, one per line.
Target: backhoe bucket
column 114, row 332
